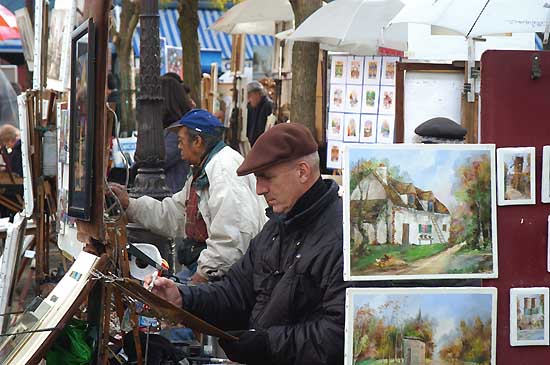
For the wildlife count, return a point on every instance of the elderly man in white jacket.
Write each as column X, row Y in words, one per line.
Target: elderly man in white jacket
column 216, row 206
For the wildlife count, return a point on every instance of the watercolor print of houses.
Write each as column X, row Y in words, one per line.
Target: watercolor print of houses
column 420, row 326
column 420, row 211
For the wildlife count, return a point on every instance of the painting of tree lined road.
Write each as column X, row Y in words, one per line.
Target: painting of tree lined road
column 421, row 326
column 420, row 211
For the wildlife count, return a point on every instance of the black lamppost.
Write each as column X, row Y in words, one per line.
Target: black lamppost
column 150, row 154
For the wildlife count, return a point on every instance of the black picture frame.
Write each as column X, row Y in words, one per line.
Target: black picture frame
column 82, row 117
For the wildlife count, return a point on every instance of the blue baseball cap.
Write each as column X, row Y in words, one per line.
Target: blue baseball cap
column 198, row 120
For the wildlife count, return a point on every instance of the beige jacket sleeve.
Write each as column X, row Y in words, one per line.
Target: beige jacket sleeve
column 166, row 217
column 232, row 211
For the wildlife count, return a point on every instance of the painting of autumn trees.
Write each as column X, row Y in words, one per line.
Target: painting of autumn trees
column 421, row 326
column 421, row 211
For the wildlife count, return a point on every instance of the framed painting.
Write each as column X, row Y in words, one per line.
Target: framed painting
column 516, row 176
column 62, row 19
column 82, row 120
column 529, row 316
column 419, row 212
column 420, row 326
column 548, row 246
column 174, row 60
column 545, row 180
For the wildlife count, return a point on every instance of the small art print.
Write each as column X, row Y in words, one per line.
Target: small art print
column 351, row 124
column 355, row 70
column 420, row 326
column 338, row 73
column 370, row 99
column 529, row 316
column 516, row 176
column 419, row 212
column 368, row 128
column 545, row 196
column 385, row 128
column 387, row 100
column 334, row 155
column 372, row 71
column 335, row 130
column 337, row 96
column 389, row 70
column 353, row 98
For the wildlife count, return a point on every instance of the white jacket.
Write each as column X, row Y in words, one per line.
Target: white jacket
column 232, row 211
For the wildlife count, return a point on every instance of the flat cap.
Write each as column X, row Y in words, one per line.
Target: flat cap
column 441, row 127
column 284, row 142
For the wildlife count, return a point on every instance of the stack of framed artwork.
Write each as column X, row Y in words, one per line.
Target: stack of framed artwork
column 426, row 212
column 361, row 103
column 420, row 212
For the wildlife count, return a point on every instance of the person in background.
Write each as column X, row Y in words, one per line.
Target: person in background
column 175, row 105
column 260, row 106
column 285, row 298
column 10, row 142
column 216, row 212
column 185, row 87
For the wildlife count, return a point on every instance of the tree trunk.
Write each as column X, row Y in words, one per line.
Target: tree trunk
column 305, row 58
column 189, row 23
column 129, row 17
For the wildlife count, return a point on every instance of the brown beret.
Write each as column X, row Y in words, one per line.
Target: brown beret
column 283, row 142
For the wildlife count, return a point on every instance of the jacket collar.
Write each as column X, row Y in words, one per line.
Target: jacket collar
column 200, row 179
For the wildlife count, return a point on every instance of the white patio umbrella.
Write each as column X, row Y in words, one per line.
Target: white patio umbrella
column 354, row 26
column 473, row 18
column 254, row 17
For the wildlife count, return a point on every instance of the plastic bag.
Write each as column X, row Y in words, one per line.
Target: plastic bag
column 71, row 348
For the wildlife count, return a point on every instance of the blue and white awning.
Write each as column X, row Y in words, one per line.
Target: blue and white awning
column 11, row 46
column 208, row 39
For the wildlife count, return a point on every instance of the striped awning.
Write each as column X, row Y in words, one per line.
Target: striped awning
column 11, row 46
column 208, row 39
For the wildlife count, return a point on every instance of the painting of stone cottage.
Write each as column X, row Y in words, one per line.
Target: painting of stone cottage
column 420, row 211
column 420, row 326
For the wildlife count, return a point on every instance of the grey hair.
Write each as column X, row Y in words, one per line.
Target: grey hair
column 210, row 140
column 255, row 86
column 312, row 159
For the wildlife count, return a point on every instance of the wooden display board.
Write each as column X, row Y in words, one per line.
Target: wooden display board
column 514, row 113
column 428, row 90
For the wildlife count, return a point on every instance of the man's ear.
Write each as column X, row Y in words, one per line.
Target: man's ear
column 304, row 171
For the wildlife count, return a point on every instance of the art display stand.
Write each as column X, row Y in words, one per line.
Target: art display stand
column 508, row 77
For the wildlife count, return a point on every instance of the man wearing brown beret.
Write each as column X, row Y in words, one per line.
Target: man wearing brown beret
column 285, row 298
